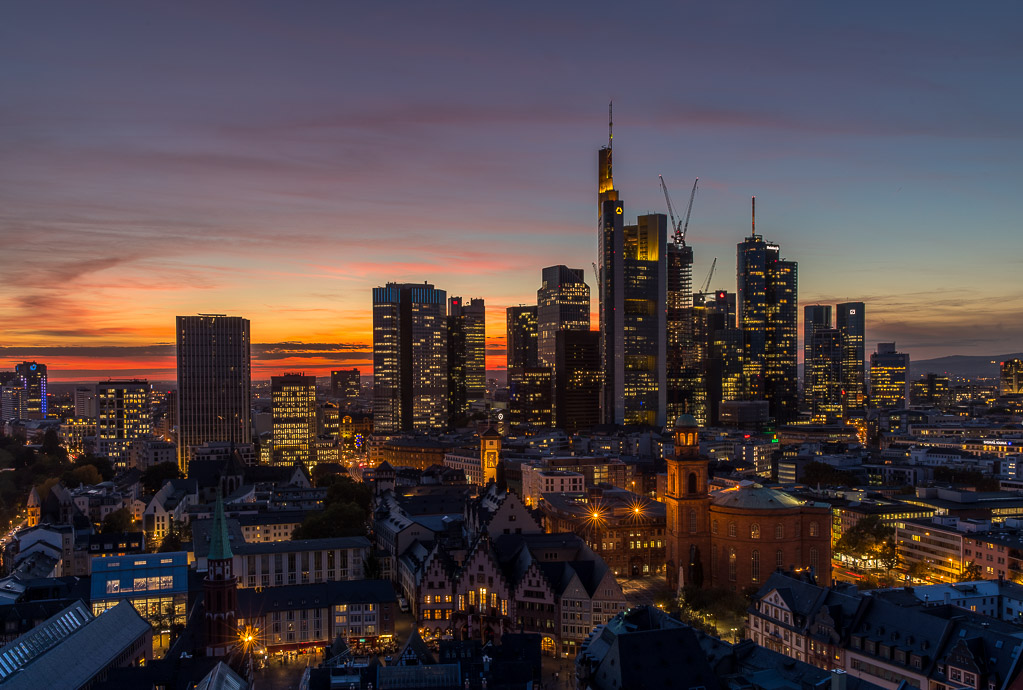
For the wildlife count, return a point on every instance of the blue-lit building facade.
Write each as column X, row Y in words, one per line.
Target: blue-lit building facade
column 156, row 584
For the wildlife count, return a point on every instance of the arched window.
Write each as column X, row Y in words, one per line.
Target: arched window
column 731, row 529
column 813, row 559
column 779, row 559
column 754, row 531
column 754, row 564
column 714, row 526
column 692, row 521
column 731, row 564
column 779, row 531
column 673, row 489
column 692, row 483
column 814, row 529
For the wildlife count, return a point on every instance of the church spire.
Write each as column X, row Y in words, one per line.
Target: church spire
column 220, row 542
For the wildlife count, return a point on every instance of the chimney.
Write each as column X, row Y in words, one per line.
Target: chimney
column 838, row 679
column 948, row 598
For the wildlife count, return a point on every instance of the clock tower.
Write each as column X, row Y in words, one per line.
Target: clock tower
column 688, row 504
column 490, row 453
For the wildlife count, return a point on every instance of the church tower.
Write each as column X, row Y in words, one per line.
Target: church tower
column 687, row 501
column 490, row 453
column 220, row 589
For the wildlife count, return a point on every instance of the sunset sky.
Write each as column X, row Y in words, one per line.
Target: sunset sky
column 277, row 160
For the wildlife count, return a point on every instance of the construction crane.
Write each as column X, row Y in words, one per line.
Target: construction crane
column 596, row 273
column 679, row 226
column 706, row 284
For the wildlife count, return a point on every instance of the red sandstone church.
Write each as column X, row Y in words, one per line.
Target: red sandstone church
column 737, row 537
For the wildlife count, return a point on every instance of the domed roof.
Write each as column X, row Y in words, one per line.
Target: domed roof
column 755, row 497
column 686, row 421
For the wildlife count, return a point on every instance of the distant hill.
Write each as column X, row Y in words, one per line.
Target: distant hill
column 962, row 365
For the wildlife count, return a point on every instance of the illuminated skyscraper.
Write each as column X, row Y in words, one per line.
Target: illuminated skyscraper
column 562, row 304
column 32, row 376
column 293, row 400
column 122, row 418
column 345, row 383
column 410, row 358
column 1012, row 377
column 932, row 389
column 888, row 377
column 684, row 375
column 632, row 277
column 824, row 375
column 13, row 399
column 717, row 344
column 851, row 323
column 816, row 317
column 214, row 381
column 768, row 317
column 467, row 354
column 522, row 336
column 85, row 402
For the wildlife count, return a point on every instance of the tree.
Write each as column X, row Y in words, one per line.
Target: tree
column 86, row 474
column 972, row 572
column 103, row 466
column 872, row 538
column 153, row 478
column 51, row 443
column 347, row 490
column 117, row 522
column 171, row 542
column 918, row 570
column 336, row 520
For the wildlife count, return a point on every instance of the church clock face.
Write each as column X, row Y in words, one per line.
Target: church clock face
column 490, row 459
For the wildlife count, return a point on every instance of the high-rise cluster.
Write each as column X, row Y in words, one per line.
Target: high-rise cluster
column 833, row 360
column 429, row 357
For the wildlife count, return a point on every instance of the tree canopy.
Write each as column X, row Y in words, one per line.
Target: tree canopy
column 345, row 513
column 870, row 537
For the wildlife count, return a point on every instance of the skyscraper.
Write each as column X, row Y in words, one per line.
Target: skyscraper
column 684, row 376
column 13, row 399
column 467, row 354
column 576, row 380
column 293, row 401
column 632, row 277
column 85, row 402
column 816, row 317
column 410, row 358
column 522, row 336
column 32, row 376
column 345, row 383
column 851, row 323
column 824, row 375
column 768, row 317
column 214, row 381
column 889, row 371
column 122, row 418
column 717, row 345
column 562, row 304
column 1011, row 372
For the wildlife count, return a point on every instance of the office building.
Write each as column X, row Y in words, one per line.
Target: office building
column 85, row 402
column 562, row 304
column 345, row 383
column 531, row 396
column 13, row 401
column 123, row 418
column 32, row 376
column 633, row 326
column 717, row 346
column 932, row 389
column 522, row 336
column 214, row 381
column 576, row 380
column 851, row 323
column 768, row 318
column 1011, row 377
column 888, row 377
column 467, row 355
column 684, row 376
column 410, row 358
column 815, row 317
column 824, row 375
column 293, row 399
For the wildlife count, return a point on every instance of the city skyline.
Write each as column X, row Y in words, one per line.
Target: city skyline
column 274, row 180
